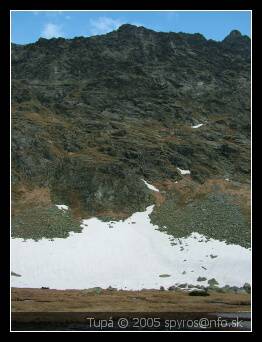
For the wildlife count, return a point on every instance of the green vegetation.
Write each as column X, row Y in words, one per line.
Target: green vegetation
column 215, row 216
column 40, row 222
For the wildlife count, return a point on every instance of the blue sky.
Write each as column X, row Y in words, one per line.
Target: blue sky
column 29, row 26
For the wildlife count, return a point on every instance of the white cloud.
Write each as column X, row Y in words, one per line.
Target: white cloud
column 104, row 25
column 52, row 30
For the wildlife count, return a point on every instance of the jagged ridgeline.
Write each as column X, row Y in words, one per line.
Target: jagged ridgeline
column 92, row 116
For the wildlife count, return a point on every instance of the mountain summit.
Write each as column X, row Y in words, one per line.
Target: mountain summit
column 235, row 34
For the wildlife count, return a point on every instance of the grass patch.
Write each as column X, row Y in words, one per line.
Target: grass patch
column 215, row 216
column 44, row 222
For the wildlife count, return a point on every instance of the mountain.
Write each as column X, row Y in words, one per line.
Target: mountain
column 93, row 116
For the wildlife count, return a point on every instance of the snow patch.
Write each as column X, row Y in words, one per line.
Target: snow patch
column 127, row 256
column 151, row 187
column 183, row 172
column 197, row 126
column 62, row 207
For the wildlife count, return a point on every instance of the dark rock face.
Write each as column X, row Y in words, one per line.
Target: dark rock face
column 92, row 116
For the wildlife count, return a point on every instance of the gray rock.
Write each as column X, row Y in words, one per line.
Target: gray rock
column 172, row 288
column 110, row 288
column 247, row 287
column 201, row 279
column 198, row 293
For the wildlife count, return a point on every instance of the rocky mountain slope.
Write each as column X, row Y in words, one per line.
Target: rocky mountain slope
column 93, row 116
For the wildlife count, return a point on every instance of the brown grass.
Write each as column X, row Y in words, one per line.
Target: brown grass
column 159, row 198
column 133, row 301
column 92, row 153
column 187, row 190
column 24, row 197
column 46, row 119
